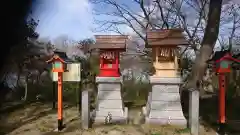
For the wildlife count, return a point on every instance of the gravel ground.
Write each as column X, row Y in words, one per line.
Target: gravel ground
column 40, row 119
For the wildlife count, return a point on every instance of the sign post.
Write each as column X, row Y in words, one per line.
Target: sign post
column 59, row 66
column 73, row 75
column 63, row 70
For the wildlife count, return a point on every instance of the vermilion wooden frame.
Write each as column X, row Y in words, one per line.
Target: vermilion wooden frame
column 60, row 71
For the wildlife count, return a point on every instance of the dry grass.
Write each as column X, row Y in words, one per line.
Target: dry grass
column 39, row 119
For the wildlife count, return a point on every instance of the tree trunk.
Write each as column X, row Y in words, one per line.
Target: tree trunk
column 208, row 43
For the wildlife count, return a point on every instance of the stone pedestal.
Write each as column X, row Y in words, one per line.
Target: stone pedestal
column 109, row 100
column 164, row 105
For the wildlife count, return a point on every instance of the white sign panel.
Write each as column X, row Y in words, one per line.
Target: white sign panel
column 72, row 75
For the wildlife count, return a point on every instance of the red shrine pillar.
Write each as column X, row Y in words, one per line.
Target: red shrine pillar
column 222, row 65
column 222, row 84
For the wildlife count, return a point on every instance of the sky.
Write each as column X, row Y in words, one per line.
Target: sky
column 73, row 18
column 64, row 17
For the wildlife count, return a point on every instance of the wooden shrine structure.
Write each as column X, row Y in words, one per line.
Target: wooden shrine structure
column 164, row 44
column 110, row 47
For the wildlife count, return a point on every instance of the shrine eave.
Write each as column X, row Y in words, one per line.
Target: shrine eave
column 108, row 46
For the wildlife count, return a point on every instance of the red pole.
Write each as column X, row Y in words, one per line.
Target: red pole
column 117, row 61
column 101, row 61
column 222, row 117
column 222, row 110
column 60, row 105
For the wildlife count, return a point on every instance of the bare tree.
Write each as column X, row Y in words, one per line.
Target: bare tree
column 201, row 30
column 207, row 44
column 154, row 15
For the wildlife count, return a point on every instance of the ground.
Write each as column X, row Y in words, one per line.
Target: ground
column 40, row 119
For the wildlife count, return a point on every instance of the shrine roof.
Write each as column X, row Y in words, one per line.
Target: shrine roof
column 111, row 36
column 115, row 42
column 223, row 55
column 63, row 56
column 108, row 46
column 218, row 55
column 166, row 37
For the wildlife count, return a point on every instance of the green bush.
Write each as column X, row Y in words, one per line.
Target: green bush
column 135, row 92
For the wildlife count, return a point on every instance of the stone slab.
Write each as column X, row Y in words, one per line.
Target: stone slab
column 113, row 112
column 165, row 114
column 160, row 96
column 177, row 122
column 109, row 79
column 116, row 86
column 166, row 106
column 194, row 111
column 110, row 104
column 167, row 88
column 118, row 115
column 110, row 95
column 85, row 110
column 165, row 80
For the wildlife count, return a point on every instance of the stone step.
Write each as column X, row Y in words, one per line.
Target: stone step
column 164, row 121
column 108, row 80
column 104, row 94
column 165, row 106
column 165, row 96
column 167, row 88
column 110, row 104
column 100, row 119
column 109, row 87
column 166, row 114
column 113, row 112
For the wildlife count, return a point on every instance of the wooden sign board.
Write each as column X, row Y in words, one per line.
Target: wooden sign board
column 73, row 74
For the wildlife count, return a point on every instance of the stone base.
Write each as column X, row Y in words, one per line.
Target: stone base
column 175, row 122
column 118, row 115
column 164, row 105
column 109, row 101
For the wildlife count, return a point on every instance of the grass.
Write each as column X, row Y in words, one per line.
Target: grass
column 185, row 130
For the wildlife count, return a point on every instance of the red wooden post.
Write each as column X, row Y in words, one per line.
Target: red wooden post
column 60, row 104
column 222, row 64
column 59, row 68
column 222, row 110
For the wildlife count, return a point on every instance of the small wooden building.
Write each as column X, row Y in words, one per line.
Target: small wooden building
column 110, row 47
column 165, row 47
